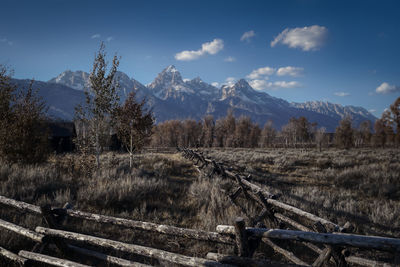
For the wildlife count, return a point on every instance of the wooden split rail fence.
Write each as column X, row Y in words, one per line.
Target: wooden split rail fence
column 327, row 239
column 54, row 235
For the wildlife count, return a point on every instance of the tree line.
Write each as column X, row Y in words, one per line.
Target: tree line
column 298, row 132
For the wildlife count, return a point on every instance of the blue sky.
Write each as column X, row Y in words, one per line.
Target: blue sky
column 344, row 52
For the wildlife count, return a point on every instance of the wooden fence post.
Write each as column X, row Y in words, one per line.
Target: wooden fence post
column 241, row 237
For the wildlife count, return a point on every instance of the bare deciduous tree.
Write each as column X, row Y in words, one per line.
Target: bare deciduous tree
column 321, row 138
column 395, row 110
column 344, row 133
column 208, row 131
column 23, row 130
column 379, row 137
column 133, row 125
column 268, row 134
column 7, row 91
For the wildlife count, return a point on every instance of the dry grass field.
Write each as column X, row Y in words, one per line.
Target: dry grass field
column 361, row 186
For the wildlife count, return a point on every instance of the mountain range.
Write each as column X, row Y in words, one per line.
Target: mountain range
column 171, row 97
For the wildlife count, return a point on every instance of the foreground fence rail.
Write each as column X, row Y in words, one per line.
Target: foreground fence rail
column 312, row 231
column 43, row 236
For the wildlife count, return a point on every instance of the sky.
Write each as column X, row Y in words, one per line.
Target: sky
column 344, row 52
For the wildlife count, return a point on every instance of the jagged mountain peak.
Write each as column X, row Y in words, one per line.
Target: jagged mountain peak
column 197, row 80
column 169, row 76
column 169, row 84
column 243, row 84
column 172, row 97
column 75, row 79
column 240, row 89
column 170, row 68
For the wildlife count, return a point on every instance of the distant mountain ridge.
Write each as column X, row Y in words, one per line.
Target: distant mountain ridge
column 337, row 111
column 171, row 97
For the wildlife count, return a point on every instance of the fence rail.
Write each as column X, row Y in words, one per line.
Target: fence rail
column 44, row 236
column 317, row 230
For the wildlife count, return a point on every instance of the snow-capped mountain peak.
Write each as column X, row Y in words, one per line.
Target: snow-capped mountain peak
column 169, row 83
column 170, row 68
column 241, row 89
column 172, row 97
column 77, row 80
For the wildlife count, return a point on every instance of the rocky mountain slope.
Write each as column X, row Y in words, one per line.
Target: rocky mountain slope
column 171, row 97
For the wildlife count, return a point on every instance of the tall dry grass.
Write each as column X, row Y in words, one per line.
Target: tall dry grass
column 360, row 185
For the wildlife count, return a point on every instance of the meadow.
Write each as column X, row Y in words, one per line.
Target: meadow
column 359, row 185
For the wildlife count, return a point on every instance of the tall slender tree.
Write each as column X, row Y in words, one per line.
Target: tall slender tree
column 94, row 116
column 321, row 137
column 344, row 133
column 268, row 134
column 395, row 110
column 7, row 91
column 133, row 125
column 208, row 131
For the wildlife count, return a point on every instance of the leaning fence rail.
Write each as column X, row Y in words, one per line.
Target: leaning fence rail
column 327, row 233
column 44, row 236
column 147, row 226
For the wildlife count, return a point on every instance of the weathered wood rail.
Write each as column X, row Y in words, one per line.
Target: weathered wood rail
column 317, row 231
column 158, row 254
column 131, row 248
column 370, row 242
column 146, row 226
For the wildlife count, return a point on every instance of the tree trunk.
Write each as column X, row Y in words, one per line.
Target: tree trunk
column 97, row 150
column 130, row 152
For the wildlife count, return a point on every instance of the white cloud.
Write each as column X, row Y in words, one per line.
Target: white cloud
column 96, row 36
column 110, row 38
column 284, row 84
column 264, row 85
column 372, row 110
column 261, row 72
column 188, row 55
column 247, row 36
column 211, row 48
column 5, row 40
column 290, row 71
column 259, row 84
column 230, row 59
column 216, row 84
column 386, row 88
column 185, row 80
column 341, row 94
column 230, row 81
column 306, row 38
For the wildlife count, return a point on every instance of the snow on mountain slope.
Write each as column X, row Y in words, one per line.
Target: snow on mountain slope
column 171, row 97
column 78, row 80
column 336, row 111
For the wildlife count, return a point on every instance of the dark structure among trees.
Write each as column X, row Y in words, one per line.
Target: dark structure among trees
column 61, row 136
